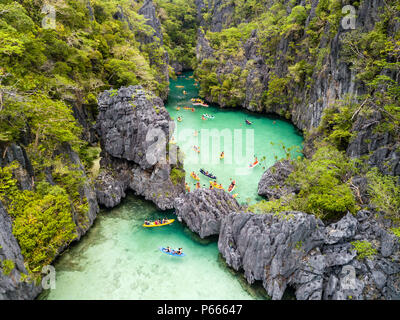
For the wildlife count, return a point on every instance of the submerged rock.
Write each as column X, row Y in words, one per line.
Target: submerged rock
column 203, row 209
column 134, row 129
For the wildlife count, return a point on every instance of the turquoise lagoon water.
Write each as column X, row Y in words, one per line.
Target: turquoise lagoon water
column 265, row 139
column 119, row 259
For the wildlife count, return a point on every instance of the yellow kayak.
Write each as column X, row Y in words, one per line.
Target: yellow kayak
column 195, row 176
column 151, row 225
column 216, row 185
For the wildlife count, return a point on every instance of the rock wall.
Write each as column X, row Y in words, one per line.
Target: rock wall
column 126, row 120
column 272, row 183
column 11, row 286
column 319, row 262
column 149, row 12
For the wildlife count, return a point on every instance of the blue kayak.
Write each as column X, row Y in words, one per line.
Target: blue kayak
column 172, row 253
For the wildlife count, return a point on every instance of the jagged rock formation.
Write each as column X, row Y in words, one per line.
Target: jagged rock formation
column 11, row 288
column 134, row 128
column 156, row 40
column 295, row 249
column 149, row 12
column 203, row 209
column 272, row 183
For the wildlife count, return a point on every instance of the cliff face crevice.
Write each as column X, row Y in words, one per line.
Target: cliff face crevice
column 132, row 124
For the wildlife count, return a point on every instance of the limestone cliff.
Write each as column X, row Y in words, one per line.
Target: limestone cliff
column 131, row 123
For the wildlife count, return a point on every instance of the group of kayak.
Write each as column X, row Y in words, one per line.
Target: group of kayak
column 213, row 184
column 198, row 102
column 186, row 108
column 208, row 116
column 160, row 223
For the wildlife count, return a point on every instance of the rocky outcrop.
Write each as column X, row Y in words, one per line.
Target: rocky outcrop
column 295, row 249
column 134, row 129
column 203, row 209
column 268, row 247
column 273, row 182
column 12, row 287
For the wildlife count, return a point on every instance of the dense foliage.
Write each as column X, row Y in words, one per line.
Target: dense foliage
column 178, row 18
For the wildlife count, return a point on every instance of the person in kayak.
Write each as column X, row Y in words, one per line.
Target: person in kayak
column 179, row 251
column 146, row 222
column 168, row 249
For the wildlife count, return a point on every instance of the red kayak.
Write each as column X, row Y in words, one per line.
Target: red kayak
column 254, row 164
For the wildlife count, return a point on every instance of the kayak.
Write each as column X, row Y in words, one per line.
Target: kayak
column 151, row 225
column 254, row 164
column 196, row 148
column 231, row 187
column 195, row 176
column 235, row 195
column 179, row 86
column 216, row 185
column 221, row 157
column 179, row 119
column 248, row 122
column 210, row 175
column 208, row 116
column 172, row 253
